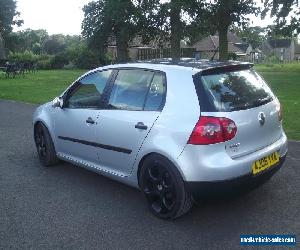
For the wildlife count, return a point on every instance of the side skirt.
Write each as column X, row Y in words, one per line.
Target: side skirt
column 90, row 166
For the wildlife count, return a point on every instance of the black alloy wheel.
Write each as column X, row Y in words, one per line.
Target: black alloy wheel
column 40, row 142
column 159, row 189
column 164, row 188
column 44, row 145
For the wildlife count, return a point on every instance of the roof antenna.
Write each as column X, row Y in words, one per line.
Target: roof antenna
column 212, row 58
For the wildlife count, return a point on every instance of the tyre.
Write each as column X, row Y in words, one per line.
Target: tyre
column 44, row 145
column 163, row 188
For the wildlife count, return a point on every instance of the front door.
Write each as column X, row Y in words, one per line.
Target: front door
column 75, row 124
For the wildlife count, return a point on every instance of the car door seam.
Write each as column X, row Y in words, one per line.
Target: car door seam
column 137, row 153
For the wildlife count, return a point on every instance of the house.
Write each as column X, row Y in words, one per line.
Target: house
column 205, row 48
column 284, row 49
column 209, row 46
column 137, row 49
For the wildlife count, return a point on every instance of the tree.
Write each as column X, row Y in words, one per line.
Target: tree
column 176, row 25
column 95, row 25
column 177, row 20
column 224, row 13
column 8, row 15
column 28, row 39
column 105, row 18
column 126, row 19
column 287, row 13
column 253, row 35
column 54, row 44
column 199, row 17
column 2, row 51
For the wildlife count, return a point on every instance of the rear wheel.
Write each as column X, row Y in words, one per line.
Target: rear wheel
column 164, row 188
column 44, row 145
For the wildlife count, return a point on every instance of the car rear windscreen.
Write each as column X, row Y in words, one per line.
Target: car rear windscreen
column 236, row 90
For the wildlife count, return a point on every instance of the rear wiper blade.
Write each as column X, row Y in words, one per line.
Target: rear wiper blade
column 262, row 101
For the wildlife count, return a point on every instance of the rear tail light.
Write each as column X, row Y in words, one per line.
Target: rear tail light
column 210, row 130
column 280, row 115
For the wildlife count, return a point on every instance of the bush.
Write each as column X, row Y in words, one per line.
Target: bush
column 70, row 66
column 86, row 59
column 41, row 61
column 26, row 56
column 271, row 59
column 77, row 57
column 108, row 58
column 44, row 64
column 232, row 56
column 59, row 61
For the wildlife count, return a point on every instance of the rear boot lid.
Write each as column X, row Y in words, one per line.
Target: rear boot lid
column 256, row 128
column 241, row 95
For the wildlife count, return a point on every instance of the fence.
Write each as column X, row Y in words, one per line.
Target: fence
column 148, row 54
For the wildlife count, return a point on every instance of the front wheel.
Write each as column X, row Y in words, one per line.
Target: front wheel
column 164, row 188
column 44, row 145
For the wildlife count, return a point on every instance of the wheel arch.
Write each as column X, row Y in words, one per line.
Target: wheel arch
column 158, row 154
column 37, row 122
column 181, row 199
column 47, row 126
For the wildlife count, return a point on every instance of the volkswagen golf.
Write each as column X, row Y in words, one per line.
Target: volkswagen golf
column 172, row 129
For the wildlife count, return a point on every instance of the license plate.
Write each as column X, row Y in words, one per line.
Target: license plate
column 265, row 163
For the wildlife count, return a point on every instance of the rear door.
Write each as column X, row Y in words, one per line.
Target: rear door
column 245, row 98
column 135, row 101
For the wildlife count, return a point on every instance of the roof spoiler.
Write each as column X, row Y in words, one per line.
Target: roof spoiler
column 226, row 68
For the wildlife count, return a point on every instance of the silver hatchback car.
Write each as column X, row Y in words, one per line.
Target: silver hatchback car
column 173, row 130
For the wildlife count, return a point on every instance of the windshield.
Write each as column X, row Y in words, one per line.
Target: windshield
column 237, row 90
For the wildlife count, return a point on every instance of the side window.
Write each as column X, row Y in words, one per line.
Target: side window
column 130, row 89
column 156, row 93
column 89, row 91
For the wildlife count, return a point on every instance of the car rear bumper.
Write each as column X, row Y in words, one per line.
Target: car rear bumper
column 246, row 182
column 210, row 163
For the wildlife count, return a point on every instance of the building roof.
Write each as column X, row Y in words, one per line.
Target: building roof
column 207, row 44
column 211, row 43
column 280, row 43
column 242, row 46
column 233, row 38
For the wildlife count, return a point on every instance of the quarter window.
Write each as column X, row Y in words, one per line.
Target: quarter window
column 89, row 91
column 156, row 93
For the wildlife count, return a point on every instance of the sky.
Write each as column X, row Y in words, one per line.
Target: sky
column 65, row 16
column 56, row 16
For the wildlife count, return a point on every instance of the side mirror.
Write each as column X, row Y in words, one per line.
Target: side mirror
column 58, row 102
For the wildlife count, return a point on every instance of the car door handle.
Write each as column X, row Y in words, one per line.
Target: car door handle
column 141, row 125
column 90, row 121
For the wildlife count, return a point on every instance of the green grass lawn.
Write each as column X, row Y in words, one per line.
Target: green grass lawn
column 39, row 87
column 285, row 82
column 290, row 67
column 45, row 85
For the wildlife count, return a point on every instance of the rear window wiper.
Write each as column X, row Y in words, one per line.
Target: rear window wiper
column 262, row 101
